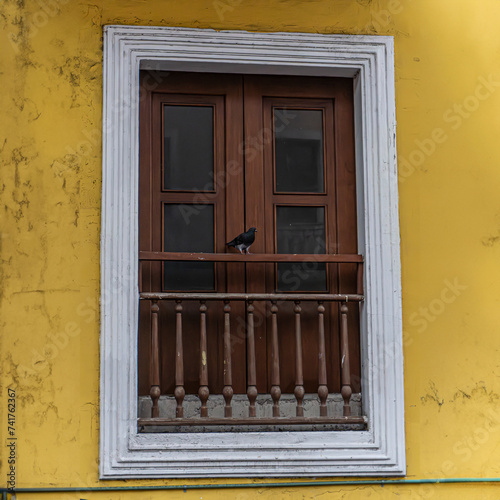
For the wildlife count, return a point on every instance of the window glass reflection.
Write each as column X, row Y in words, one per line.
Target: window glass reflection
column 301, row 230
column 298, row 150
column 188, row 148
column 188, row 228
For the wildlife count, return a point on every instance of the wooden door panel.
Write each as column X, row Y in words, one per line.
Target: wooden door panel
column 226, row 197
column 245, row 194
column 262, row 96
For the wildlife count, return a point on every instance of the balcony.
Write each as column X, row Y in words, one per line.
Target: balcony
column 273, row 410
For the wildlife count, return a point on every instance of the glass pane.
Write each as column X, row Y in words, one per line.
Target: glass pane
column 188, row 148
column 301, row 230
column 298, row 149
column 188, row 228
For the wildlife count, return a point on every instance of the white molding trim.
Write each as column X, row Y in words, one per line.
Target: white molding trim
column 378, row 451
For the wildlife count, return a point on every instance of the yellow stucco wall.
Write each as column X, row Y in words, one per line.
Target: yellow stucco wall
column 448, row 113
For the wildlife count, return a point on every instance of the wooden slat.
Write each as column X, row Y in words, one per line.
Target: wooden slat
column 203, row 391
column 227, row 391
column 237, row 257
column 322, row 379
column 345, row 362
column 155, row 361
column 246, row 421
column 179, row 391
column 251, row 361
column 299, row 374
column 334, row 297
column 275, row 361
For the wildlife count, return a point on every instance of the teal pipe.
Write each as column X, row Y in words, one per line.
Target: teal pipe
column 366, row 482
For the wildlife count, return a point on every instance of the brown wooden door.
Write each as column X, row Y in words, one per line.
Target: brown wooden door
column 300, row 189
column 222, row 153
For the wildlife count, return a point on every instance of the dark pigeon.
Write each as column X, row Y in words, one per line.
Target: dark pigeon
column 243, row 241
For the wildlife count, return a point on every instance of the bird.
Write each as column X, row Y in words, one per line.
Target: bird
column 243, row 241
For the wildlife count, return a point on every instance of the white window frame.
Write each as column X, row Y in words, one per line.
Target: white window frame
column 380, row 449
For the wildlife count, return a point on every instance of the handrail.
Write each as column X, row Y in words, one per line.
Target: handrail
column 262, row 257
column 271, row 258
column 334, row 297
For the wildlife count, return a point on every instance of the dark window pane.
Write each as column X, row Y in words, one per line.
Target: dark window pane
column 298, row 149
column 188, row 148
column 301, row 230
column 188, row 228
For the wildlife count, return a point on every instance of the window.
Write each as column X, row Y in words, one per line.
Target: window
column 295, row 201
column 295, row 181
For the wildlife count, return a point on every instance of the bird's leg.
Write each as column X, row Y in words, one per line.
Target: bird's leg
column 241, row 251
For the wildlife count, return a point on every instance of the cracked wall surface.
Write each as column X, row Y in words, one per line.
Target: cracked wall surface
column 448, row 112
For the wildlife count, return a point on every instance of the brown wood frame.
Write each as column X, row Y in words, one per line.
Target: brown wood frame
column 217, row 105
column 260, row 257
column 251, row 194
column 226, row 95
column 326, row 106
column 261, row 93
column 183, row 196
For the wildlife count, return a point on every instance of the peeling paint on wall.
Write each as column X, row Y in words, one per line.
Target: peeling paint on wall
column 50, row 173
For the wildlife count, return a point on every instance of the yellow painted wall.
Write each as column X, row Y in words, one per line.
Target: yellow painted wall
column 448, row 112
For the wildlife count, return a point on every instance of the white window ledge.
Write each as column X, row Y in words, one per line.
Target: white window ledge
column 380, row 450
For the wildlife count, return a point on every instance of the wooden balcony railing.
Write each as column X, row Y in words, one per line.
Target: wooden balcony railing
column 274, row 300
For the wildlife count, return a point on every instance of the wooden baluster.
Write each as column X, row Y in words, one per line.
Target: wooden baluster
column 299, row 376
column 252, row 372
column 227, row 391
column 179, row 392
column 322, row 380
column 203, row 391
column 275, row 362
column 155, row 360
column 346, row 371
